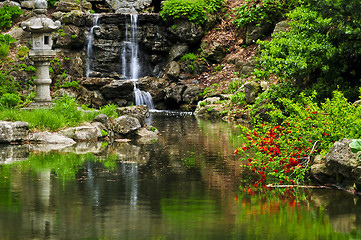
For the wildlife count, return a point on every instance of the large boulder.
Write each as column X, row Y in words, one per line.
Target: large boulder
column 140, row 112
column 125, row 124
column 50, row 138
column 258, row 31
column 117, row 88
column 214, row 50
column 13, row 131
column 185, row 31
column 173, row 97
column 82, row 133
column 340, row 160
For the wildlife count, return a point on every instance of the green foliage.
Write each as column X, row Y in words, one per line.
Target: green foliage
column 254, row 11
column 10, row 100
column 104, row 133
column 218, row 68
column 110, row 110
column 194, row 10
column 7, row 84
column 322, row 50
column 8, row 15
column 5, row 41
column 283, row 147
column 51, row 3
column 189, row 56
column 73, row 36
column 74, row 84
column 22, row 51
column 355, row 145
column 239, row 98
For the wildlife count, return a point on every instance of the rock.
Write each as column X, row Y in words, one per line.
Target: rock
column 74, row 17
column 95, row 83
column 146, row 136
column 103, row 119
column 85, row 147
column 185, row 31
column 19, row 34
column 83, row 133
column 72, row 37
column 125, row 124
column 140, row 112
column 71, row 5
column 340, row 160
column 155, row 86
column 117, row 88
column 177, row 51
column 210, row 108
column 128, row 7
column 9, row 4
column 53, row 138
column 282, row 26
column 173, row 71
column 191, row 94
column 13, row 131
column 251, row 90
column 27, row 4
column 246, row 68
column 214, row 50
column 255, row 32
column 173, row 95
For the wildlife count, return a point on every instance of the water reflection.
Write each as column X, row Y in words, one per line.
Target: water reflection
column 185, row 186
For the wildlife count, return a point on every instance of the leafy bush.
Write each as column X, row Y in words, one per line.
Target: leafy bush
column 282, row 151
column 5, row 41
column 194, row 10
column 10, row 100
column 322, row 50
column 255, row 11
column 110, row 110
column 8, row 15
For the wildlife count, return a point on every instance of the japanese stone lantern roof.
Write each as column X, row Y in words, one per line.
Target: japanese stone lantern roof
column 40, row 23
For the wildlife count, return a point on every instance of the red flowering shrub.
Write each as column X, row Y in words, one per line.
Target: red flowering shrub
column 281, row 153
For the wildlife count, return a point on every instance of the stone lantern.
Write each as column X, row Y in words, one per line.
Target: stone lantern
column 41, row 54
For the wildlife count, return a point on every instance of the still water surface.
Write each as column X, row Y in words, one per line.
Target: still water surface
column 184, row 186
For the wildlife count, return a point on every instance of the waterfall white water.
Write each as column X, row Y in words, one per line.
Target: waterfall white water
column 89, row 50
column 130, row 62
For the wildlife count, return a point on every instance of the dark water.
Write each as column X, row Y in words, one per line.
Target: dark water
column 184, row 186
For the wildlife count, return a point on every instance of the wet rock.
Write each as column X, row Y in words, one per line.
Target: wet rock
column 155, row 86
column 95, row 83
column 173, row 97
column 71, row 37
column 139, row 112
column 117, row 88
column 125, row 124
column 74, row 17
column 191, row 96
column 13, row 131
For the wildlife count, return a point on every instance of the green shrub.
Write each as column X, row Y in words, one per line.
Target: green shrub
column 5, row 41
column 10, row 100
column 193, row 10
column 255, row 11
column 110, row 110
column 8, row 15
column 282, row 150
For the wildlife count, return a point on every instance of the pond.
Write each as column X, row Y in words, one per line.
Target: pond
column 183, row 186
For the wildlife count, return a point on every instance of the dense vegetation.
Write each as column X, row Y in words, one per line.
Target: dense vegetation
column 316, row 64
column 194, row 10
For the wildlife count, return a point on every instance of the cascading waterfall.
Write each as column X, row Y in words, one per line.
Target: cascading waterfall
column 89, row 50
column 130, row 62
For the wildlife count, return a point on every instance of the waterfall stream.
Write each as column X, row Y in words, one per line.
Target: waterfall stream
column 130, row 62
column 129, row 58
column 89, row 49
